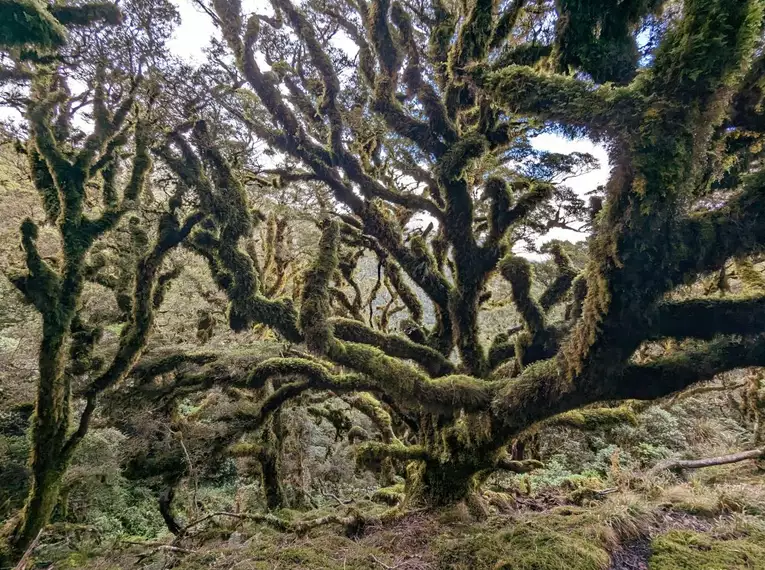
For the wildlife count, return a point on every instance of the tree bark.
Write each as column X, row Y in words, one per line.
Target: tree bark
column 437, row 484
column 166, row 497
column 49, row 427
column 680, row 464
column 272, row 488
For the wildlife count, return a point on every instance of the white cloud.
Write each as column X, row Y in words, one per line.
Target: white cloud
column 580, row 184
column 194, row 32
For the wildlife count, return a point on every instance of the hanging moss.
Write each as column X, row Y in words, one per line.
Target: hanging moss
column 473, row 40
column 28, row 22
column 599, row 37
column 578, row 294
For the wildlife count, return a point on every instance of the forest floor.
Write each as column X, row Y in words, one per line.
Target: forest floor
column 714, row 521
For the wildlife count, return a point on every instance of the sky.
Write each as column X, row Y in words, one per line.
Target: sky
column 194, row 33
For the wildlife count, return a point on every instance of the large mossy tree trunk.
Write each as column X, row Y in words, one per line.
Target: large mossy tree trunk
column 270, row 480
column 50, row 424
column 437, row 484
column 66, row 349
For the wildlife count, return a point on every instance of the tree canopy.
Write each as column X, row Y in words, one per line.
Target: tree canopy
column 401, row 135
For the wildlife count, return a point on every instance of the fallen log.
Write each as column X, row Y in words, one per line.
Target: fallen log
column 682, row 464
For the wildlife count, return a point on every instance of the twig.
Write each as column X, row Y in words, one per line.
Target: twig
column 383, row 564
column 192, row 473
column 331, row 495
column 703, row 390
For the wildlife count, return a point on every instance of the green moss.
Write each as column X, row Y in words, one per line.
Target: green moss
column 598, row 37
column 87, row 14
column 686, row 550
column 557, row 98
column 315, row 306
column 531, row 546
column 518, row 272
column 501, row 350
column 389, row 495
column 370, row 406
column 28, row 22
column 428, row 358
column 595, row 418
column 374, row 451
column 473, row 40
column 751, row 278
column 555, row 292
column 408, row 296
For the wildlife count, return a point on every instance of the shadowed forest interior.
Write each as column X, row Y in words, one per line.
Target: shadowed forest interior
column 393, row 284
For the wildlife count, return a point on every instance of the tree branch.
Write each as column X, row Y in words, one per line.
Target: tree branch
column 681, row 464
column 707, row 318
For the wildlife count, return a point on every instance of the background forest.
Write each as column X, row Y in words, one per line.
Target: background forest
column 303, row 303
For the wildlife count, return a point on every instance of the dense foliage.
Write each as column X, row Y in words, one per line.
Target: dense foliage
column 328, row 222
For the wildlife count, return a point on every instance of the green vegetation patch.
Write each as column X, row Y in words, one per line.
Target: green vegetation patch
column 525, row 547
column 269, row 549
column 685, row 550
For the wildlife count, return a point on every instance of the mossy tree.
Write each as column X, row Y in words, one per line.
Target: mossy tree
column 456, row 117
column 32, row 30
column 90, row 185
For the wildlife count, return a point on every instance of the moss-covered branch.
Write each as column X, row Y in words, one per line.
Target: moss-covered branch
column 136, row 333
column 707, row 240
column 707, row 318
column 149, row 367
column 374, row 451
column 565, row 100
column 370, row 406
column 222, row 199
column 506, row 463
column 351, row 522
column 555, row 292
column 432, row 361
column 538, row 340
column 685, row 367
column 594, row 418
column 40, row 285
